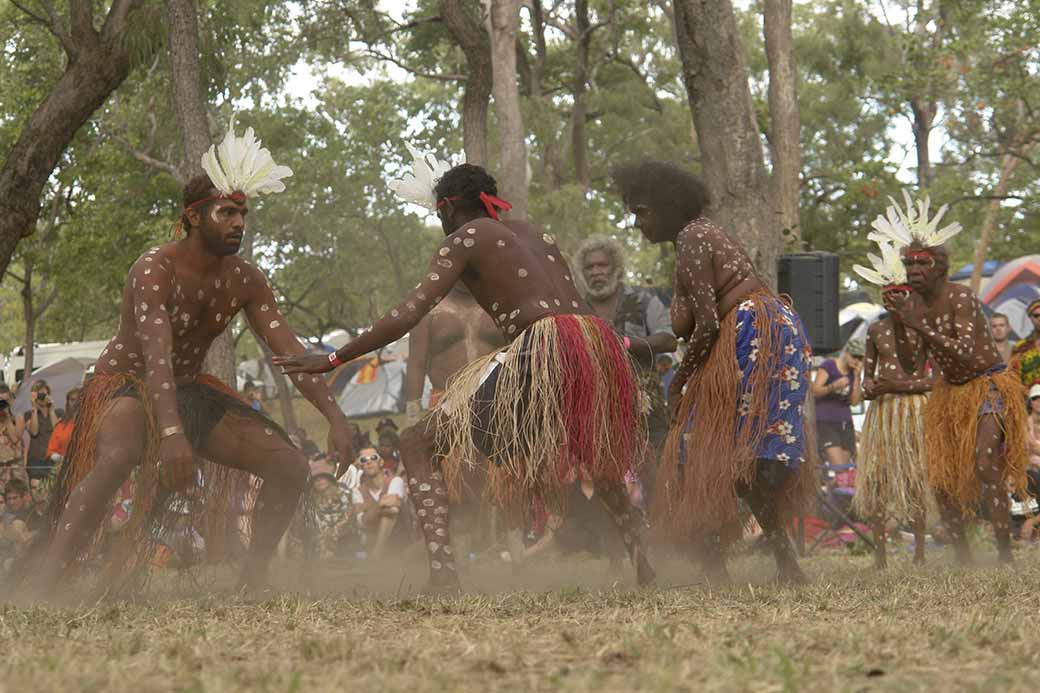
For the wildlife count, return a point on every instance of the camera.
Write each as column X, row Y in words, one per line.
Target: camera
column 41, row 396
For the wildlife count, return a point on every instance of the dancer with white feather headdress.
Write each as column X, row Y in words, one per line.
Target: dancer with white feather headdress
column 149, row 407
column 975, row 419
column 892, row 479
column 560, row 397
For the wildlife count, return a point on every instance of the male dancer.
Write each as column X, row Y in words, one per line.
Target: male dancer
column 561, row 394
column 975, row 421
column 892, row 479
column 739, row 426
column 149, row 404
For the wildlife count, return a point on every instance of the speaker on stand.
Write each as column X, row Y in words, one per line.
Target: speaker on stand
column 811, row 280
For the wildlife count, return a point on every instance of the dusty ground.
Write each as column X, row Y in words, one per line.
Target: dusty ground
column 562, row 625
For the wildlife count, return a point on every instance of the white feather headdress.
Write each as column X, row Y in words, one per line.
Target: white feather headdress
column 887, row 270
column 417, row 187
column 909, row 226
column 240, row 164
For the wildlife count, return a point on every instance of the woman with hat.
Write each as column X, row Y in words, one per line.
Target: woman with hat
column 836, row 387
column 1025, row 357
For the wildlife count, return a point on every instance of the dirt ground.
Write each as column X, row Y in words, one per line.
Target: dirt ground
column 562, row 624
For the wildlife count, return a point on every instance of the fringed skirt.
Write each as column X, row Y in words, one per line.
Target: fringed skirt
column 891, row 475
column 155, row 516
column 746, row 402
column 563, row 395
column 951, row 424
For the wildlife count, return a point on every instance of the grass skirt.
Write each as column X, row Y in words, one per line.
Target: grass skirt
column 565, row 395
column 891, row 474
column 745, row 402
column 155, row 516
column 951, row 424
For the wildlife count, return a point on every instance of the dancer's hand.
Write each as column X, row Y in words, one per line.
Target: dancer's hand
column 904, row 309
column 176, row 463
column 303, row 363
column 341, row 445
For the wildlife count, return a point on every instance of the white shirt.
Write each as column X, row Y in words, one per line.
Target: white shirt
column 396, row 488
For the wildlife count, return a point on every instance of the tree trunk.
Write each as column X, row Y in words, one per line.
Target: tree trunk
column 98, row 62
column 716, row 78
column 1008, row 165
column 579, row 114
column 281, row 383
column 476, row 46
column 784, row 120
column 924, row 117
column 512, row 174
column 29, row 315
column 190, row 107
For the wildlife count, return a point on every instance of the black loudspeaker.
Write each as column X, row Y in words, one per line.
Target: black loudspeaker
column 811, row 280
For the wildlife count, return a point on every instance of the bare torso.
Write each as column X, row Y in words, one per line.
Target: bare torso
column 199, row 307
column 460, row 331
column 957, row 334
column 712, row 275
column 882, row 364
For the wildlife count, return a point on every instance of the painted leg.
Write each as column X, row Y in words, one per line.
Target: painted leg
column 120, row 443
column 248, row 444
column 990, row 466
column 762, row 497
column 631, row 524
column 429, row 496
column 953, row 519
column 710, row 554
column 880, row 559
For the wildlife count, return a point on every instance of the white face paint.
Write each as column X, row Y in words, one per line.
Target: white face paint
column 213, row 214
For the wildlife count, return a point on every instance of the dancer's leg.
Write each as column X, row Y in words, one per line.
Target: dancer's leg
column 990, row 466
column 878, row 528
column 631, row 524
column 121, row 440
column 762, row 496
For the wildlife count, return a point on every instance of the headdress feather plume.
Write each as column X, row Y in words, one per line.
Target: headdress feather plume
column 905, row 227
column 240, row 164
column 417, row 187
column 887, row 270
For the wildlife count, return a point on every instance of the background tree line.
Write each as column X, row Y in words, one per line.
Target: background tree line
column 801, row 118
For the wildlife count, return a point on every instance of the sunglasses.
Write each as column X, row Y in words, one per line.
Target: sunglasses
column 1034, row 398
column 369, row 458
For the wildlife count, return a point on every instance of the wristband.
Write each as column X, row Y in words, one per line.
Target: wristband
column 334, row 359
column 627, row 342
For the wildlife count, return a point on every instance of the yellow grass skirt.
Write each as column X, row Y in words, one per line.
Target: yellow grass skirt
column 951, row 423
column 891, row 474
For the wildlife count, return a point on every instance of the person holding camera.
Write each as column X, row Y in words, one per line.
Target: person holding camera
column 40, row 422
column 62, row 434
column 837, row 389
column 12, row 457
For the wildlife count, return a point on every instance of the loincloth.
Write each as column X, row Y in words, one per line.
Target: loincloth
column 891, row 474
column 201, row 405
column 951, row 424
column 563, row 395
column 746, row 402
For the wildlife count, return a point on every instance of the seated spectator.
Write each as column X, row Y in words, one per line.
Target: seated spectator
column 331, row 516
column 585, row 526
column 378, row 501
column 836, row 387
column 12, row 455
column 666, row 369
column 1000, row 328
column 63, row 431
column 386, row 424
column 389, row 442
column 15, row 534
column 254, row 396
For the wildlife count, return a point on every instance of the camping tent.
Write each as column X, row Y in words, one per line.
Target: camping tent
column 377, row 386
column 1012, row 288
column 61, row 376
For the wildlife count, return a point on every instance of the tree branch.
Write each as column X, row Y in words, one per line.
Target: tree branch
column 81, row 14
column 53, row 23
column 407, row 68
column 115, row 22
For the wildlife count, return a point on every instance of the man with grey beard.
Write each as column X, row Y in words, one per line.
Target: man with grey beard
column 638, row 315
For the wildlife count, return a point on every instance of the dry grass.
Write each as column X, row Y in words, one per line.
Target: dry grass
column 363, row 627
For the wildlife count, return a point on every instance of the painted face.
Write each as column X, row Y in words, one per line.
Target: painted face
column 922, row 270
column 222, row 226
column 599, row 272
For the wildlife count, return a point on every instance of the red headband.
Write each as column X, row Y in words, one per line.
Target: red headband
column 897, row 287
column 238, row 197
column 490, row 203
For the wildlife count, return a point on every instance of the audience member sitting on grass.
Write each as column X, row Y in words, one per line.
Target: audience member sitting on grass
column 389, row 443
column 331, row 516
column 378, row 501
column 1033, row 471
column 584, row 527
column 15, row 534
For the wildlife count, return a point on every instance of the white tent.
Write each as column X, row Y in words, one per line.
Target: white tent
column 378, row 388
